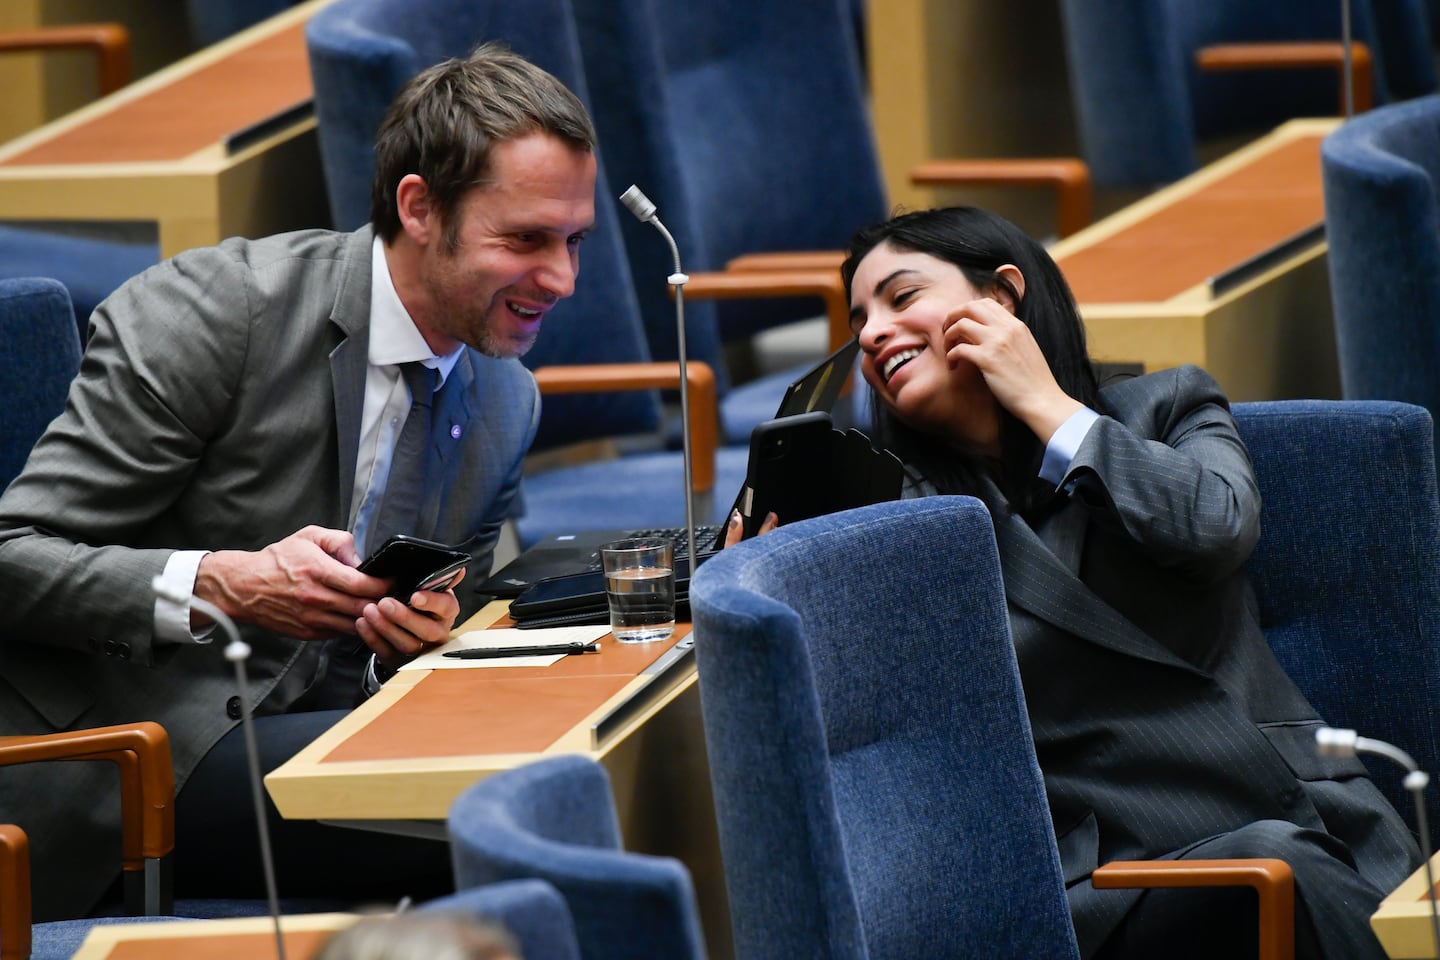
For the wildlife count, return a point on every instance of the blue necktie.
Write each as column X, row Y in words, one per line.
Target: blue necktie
column 405, row 488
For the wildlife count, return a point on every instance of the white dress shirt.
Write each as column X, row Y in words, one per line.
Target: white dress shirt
column 394, row 340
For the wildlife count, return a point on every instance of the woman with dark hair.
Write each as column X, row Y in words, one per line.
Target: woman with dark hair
column 1124, row 516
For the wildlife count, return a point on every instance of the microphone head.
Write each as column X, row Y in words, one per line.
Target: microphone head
column 637, row 203
column 1335, row 742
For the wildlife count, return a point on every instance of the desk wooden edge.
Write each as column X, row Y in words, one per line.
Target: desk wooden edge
column 148, row 84
column 103, row 939
column 1402, row 922
column 307, row 788
column 1219, row 169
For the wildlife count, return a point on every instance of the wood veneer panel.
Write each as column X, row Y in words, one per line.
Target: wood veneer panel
column 453, row 713
column 220, row 946
column 192, row 112
column 1198, row 236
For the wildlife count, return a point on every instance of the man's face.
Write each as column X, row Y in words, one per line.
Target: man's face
column 518, row 249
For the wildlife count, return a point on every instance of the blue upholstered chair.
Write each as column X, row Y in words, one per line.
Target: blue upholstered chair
column 555, row 820
column 532, row 911
column 747, row 124
column 1347, row 570
column 90, row 268
column 39, row 356
column 1143, row 105
column 870, row 751
column 874, row 777
column 213, row 20
column 361, row 52
column 1382, row 219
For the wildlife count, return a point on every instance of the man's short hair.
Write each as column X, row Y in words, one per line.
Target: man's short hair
column 445, row 123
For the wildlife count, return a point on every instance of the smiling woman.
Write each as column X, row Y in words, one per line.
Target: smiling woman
column 1124, row 516
column 971, row 342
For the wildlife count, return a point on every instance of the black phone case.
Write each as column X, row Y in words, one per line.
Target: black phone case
column 802, row 467
column 788, row 457
column 411, row 561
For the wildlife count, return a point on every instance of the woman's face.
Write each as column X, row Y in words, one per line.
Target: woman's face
column 899, row 303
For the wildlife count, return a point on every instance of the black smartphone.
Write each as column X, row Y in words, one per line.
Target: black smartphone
column 790, row 469
column 414, row 564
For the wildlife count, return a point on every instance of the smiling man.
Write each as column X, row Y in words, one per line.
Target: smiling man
column 240, row 416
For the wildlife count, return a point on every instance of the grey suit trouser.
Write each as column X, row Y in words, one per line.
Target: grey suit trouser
column 1333, row 904
column 216, row 840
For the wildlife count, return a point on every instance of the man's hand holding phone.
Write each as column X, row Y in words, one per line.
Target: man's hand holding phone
column 420, row 608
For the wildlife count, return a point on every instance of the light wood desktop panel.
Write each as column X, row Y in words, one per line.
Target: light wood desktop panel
column 1403, row 922
column 411, row 749
column 1142, row 276
column 155, row 151
column 500, row 709
column 41, row 87
column 198, row 108
column 1202, row 233
column 241, row 938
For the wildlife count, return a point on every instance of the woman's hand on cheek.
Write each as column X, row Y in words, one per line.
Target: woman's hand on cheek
column 1002, row 348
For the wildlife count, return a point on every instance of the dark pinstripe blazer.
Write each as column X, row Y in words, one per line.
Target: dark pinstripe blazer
column 218, row 407
column 1160, row 715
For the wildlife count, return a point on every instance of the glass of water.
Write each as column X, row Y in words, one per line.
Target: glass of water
column 640, row 586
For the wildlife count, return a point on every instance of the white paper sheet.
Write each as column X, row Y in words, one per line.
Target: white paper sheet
column 506, row 637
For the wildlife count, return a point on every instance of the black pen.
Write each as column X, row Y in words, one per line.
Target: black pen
column 487, row 653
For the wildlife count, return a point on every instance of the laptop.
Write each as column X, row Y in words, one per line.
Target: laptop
column 564, row 554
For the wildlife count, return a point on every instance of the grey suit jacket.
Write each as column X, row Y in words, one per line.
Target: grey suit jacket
column 1159, row 713
column 217, row 407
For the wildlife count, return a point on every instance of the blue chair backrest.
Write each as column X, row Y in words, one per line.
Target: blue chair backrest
column 555, row 820
column 747, row 123
column 1142, row 104
column 1382, row 220
column 213, row 20
column 532, row 911
column 874, row 774
column 1347, row 570
column 39, row 356
column 362, row 52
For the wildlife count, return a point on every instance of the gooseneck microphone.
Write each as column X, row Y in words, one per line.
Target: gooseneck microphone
column 1347, row 60
column 237, row 651
column 1335, row 742
column 637, row 203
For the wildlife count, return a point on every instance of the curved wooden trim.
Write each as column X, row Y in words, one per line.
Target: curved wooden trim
column 1272, row 881
column 14, row 892
column 751, row 284
column 141, row 751
column 1069, row 177
column 109, row 42
column 804, row 260
column 1295, row 56
column 616, row 377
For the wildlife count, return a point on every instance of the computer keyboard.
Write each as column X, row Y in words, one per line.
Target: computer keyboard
column 707, row 534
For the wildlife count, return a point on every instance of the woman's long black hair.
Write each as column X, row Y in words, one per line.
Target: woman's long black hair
column 979, row 243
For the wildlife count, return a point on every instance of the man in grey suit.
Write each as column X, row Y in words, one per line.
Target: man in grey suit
column 238, row 418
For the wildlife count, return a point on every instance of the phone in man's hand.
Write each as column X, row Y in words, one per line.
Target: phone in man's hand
column 414, row 564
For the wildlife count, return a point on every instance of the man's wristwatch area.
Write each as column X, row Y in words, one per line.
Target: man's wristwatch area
column 376, row 673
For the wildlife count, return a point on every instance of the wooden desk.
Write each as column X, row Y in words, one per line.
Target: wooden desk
column 409, row 751
column 1403, row 923
column 1142, row 276
column 242, row 938
column 156, row 151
